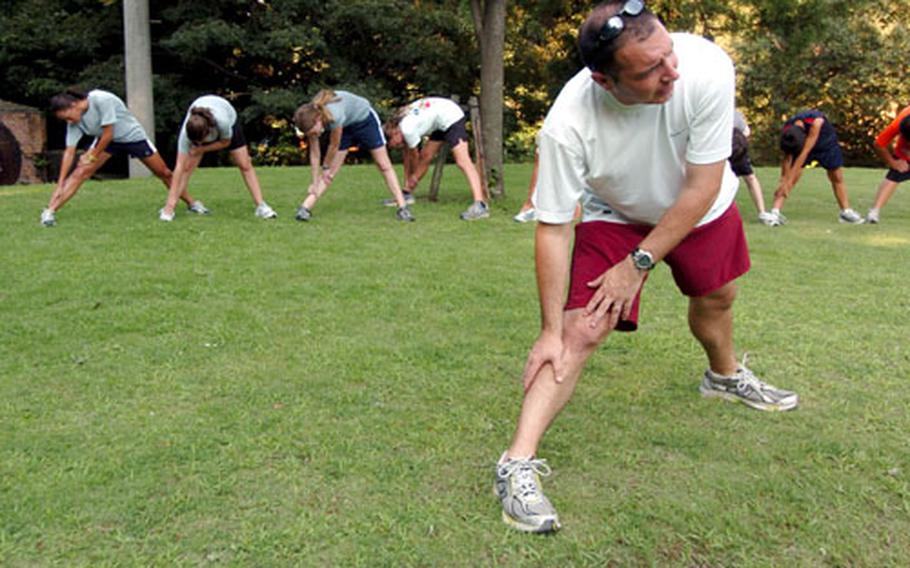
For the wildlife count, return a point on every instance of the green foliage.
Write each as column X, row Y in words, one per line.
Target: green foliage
column 841, row 56
column 229, row 391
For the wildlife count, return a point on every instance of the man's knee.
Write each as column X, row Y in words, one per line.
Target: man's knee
column 720, row 299
column 580, row 337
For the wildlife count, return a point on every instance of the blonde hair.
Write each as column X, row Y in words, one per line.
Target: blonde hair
column 307, row 114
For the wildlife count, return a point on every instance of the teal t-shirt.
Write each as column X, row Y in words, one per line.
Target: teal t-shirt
column 105, row 109
column 225, row 118
column 350, row 109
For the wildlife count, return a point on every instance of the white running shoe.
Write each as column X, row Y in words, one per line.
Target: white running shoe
column 165, row 216
column 47, row 218
column 769, row 219
column 526, row 216
column 198, row 208
column 872, row 216
column 850, row 216
column 263, row 211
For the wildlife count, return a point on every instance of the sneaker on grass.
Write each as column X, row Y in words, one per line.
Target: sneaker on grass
column 477, row 210
column 524, row 506
column 198, row 208
column 47, row 218
column 769, row 219
column 404, row 214
column 745, row 387
column 303, row 214
column 263, row 211
column 165, row 216
column 850, row 216
column 525, row 216
column 872, row 216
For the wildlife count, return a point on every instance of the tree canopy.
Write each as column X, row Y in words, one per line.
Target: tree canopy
column 844, row 57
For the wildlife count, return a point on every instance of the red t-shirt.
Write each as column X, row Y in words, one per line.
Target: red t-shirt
column 901, row 149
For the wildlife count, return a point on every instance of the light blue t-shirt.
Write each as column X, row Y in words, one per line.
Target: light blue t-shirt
column 105, row 109
column 351, row 109
column 225, row 118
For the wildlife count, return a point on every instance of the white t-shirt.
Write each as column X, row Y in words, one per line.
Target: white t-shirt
column 225, row 117
column 428, row 115
column 627, row 163
column 105, row 109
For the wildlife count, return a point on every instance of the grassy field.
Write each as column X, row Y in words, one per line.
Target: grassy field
column 229, row 391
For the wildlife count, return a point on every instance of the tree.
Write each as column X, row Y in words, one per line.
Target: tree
column 489, row 25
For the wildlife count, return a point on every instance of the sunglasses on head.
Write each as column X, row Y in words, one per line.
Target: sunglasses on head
column 615, row 25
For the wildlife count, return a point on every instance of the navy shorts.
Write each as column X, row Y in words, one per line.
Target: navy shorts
column 896, row 176
column 741, row 165
column 141, row 149
column 829, row 157
column 454, row 134
column 366, row 134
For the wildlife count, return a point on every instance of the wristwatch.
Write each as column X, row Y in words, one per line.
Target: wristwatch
column 642, row 259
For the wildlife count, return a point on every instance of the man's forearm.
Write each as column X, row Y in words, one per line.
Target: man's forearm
column 552, row 266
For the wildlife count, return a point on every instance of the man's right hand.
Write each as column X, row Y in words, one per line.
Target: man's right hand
column 546, row 350
column 902, row 166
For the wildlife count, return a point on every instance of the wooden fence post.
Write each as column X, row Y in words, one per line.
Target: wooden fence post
column 479, row 160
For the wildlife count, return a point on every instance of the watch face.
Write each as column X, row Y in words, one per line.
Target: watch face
column 642, row 260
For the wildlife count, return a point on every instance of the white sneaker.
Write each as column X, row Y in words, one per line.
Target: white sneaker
column 850, row 216
column 263, row 211
column 47, row 218
column 525, row 216
column 197, row 207
column 872, row 216
column 769, row 219
column 778, row 216
column 165, row 216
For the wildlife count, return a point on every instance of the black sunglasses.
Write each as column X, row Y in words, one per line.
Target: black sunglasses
column 615, row 25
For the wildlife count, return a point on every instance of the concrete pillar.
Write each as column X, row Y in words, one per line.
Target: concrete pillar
column 138, row 62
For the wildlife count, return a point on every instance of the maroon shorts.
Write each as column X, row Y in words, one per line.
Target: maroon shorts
column 708, row 258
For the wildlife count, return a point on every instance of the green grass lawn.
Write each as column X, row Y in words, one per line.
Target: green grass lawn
column 230, row 391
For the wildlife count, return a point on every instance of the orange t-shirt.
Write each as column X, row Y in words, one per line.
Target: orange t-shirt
column 901, row 149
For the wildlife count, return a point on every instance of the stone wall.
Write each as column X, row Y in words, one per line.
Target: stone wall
column 28, row 127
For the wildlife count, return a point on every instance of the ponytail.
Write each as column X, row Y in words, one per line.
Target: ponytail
column 307, row 114
column 199, row 124
column 66, row 99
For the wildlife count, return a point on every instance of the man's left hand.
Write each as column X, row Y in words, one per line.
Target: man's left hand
column 616, row 290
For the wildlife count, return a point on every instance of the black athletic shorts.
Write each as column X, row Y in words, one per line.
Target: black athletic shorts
column 454, row 134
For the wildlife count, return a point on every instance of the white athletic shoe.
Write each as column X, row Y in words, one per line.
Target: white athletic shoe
column 47, row 218
column 769, row 219
column 198, row 208
column 165, row 216
column 850, row 216
column 263, row 211
column 872, row 216
column 525, row 216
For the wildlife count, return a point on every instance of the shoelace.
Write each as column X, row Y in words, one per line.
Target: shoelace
column 748, row 378
column 524, row 472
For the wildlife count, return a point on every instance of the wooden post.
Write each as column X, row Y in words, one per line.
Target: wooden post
column 477, row 129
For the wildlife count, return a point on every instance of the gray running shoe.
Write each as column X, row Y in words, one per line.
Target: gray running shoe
column 477, row 210
column 524, row 506
column 850, row 216
column 408, row 200
column 303, row 214
column 47, row 218
column 198, row 208
column 404, row 214
column 745, row 387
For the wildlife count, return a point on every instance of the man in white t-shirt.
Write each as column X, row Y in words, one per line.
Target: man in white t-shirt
column 641, row 138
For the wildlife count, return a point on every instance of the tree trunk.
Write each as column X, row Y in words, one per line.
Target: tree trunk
column 138, row 63
column 490, row 27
